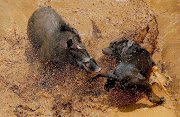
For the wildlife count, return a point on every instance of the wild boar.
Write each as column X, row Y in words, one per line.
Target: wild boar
column 56, row 41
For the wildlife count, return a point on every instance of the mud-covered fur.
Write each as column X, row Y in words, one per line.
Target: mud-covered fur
column 128, row 51
column 56, row 41
column 133, row 70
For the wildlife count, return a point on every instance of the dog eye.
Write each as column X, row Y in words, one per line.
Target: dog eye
column 111, row 45
column 124, row 44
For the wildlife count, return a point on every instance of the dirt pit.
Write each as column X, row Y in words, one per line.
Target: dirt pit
column 27, row 89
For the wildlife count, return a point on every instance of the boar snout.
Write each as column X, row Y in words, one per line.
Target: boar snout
column 81, row 57
column 89, row 64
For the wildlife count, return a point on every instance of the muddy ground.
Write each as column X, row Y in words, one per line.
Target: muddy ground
column 29, row 89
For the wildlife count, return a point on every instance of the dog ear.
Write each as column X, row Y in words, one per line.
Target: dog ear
column 117, row 41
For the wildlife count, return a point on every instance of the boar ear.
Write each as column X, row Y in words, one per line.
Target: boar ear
column 69, row 43
column 74, row 31
column 64, row 27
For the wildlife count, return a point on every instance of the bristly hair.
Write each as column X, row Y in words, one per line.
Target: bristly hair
column 66, row 27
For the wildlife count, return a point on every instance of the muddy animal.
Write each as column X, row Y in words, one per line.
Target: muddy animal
column 133, row 70
column 56, row 41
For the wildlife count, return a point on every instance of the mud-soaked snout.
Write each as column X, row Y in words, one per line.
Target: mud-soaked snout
column 84, row 61
column 90, row 65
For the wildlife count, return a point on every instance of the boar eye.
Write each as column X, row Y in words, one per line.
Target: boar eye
column 69, row 43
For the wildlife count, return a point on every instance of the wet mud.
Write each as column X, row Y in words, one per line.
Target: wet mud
column 29, row 88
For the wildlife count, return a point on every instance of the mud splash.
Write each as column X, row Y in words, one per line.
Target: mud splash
column 27, row 89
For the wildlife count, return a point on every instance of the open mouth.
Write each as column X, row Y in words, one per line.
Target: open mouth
column 89, row 69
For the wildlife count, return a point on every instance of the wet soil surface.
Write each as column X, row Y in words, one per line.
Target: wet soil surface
column 29, row 88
